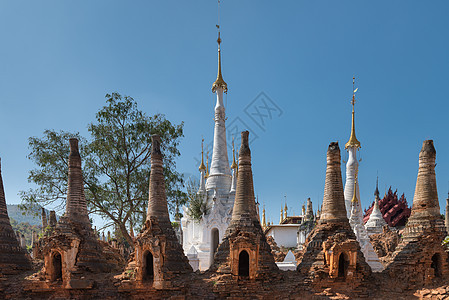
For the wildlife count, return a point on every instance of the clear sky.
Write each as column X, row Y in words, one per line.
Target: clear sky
column 59, row 58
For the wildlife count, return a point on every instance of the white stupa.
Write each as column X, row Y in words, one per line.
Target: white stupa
column 217, row 188
column 376, row 221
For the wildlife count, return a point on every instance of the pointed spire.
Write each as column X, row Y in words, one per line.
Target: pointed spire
column 202, row 166
column 207, row 165
column 333, row 209
column 376, row 192
column 354, row 197
column 234, row 164
column 353, row 142
column 282, row 216
column 264, row 222
column 3, row 208
column 219, row 82
column 157, row 204
column 425, row 201
column 76, row 207
column 244, row 196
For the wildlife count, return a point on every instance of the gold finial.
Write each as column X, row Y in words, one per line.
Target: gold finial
column 282, row 215
column 202, row 166
column 264, row 223
column 303, row 209
column 207, row 165
column 219, row 82
column 354, row 197
column 234, row 164
column 353, row 142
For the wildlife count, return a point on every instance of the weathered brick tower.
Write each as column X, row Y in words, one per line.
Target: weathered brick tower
column 72, row 249
column 13, row 259
column 244, row 251
column 332, row 253
column 158, row 256
column 420, row 257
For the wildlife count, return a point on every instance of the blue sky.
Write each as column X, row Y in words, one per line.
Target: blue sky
column 59, row 58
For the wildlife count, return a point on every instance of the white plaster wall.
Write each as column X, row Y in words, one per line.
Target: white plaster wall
column 285, row 235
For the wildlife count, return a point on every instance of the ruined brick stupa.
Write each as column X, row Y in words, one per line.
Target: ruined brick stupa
column 420, row 257
column 158, row 256
column 332, row 251
column 72, row 250
column 244, row 251
column 13, row 258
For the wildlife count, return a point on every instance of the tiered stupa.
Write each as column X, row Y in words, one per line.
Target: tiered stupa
column 158, row 256
column 217, row 187
column 420, row 257
column 332, row 252
column 72, row 250
column 376, row 221
column 309, row 216
column 352, row 193
column 13, row 258
column 244, row 251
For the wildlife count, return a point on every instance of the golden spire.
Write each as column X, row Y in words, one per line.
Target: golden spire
column 264, row 223
column 219, row 82
column 202, row 166
column 303, row 210
column 234, row 164
column 282, row 215
column 353, row 142
column 207, row 165
column 354, row 197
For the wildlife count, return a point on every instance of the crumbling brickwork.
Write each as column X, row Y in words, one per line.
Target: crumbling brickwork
column 332, row 253
column 158, row 257
column 420, row 257
column 244, row 251
column 71, row 249
column 13, row 258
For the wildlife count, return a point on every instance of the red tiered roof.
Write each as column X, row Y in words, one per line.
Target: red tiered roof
column 395, row 211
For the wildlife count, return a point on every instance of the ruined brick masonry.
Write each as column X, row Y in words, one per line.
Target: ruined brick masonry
column 78, row 266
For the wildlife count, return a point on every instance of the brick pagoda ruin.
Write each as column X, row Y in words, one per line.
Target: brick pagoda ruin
column 158, row 256
column 72, row 250
column 332, row 253
column 420, row 257
column 244, row 252
column 13, row 258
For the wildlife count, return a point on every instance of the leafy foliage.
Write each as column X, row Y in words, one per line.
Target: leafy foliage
column 198, row 206
column 26, row 229
column 116, row 164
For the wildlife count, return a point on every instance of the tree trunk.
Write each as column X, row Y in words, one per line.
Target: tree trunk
column 126, row 235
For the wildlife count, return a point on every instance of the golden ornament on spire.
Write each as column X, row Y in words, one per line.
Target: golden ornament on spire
column 202, row 166
column 353, row 142
column 354, row 197
column 207, row 165
column 264, row 223
column 234, row 164
column 219, row 82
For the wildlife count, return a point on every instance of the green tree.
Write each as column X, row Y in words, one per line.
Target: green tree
column 116, row 163
column 198, row 206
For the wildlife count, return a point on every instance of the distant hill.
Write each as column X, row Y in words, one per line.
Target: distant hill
column 33, row 218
